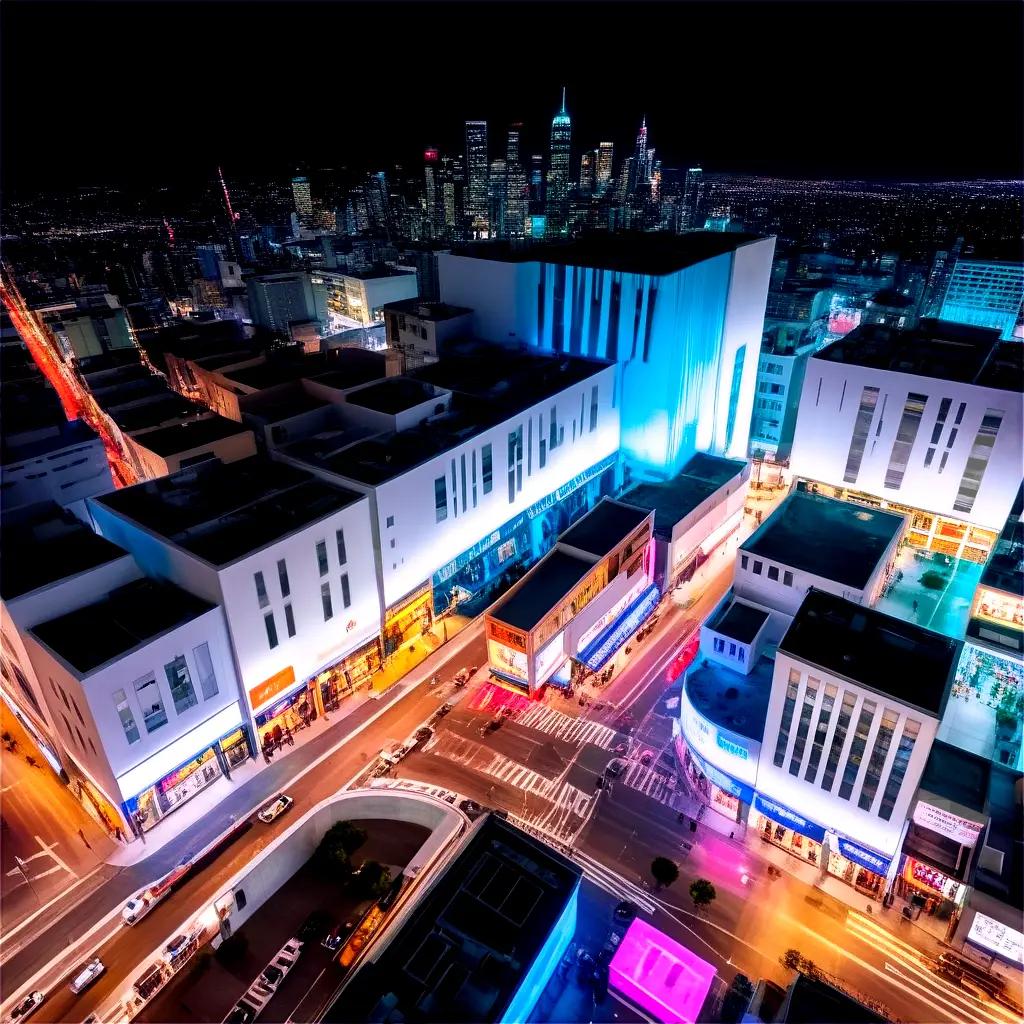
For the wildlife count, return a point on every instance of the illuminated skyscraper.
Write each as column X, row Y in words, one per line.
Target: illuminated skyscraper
column 693, row 200
column 303, row 201
column 588, row 164
column 558, row 175
column 516, row 193
column 433, row 192
column 497, row 196
column 476, row 176
column 603, row 171
column 537, row 183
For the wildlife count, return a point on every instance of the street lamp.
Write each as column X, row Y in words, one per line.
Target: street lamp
column 25, row 875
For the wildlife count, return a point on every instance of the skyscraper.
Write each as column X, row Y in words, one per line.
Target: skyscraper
column 603, row 172
column 497, row 196
column 516, row 194
column 378, row 203
column 303, row 200
column 558, row 175
column 476, row 176
column 693, row 200
column 432, row 192
column 588, row 166
column 537, row 183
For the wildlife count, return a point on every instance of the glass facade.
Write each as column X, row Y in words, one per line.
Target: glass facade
column 861, row 427
column 906, row 434
column 977, row 461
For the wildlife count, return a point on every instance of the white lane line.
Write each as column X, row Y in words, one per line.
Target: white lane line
column 51, row 850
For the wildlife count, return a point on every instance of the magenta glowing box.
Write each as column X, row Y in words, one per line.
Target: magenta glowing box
column 658, row 974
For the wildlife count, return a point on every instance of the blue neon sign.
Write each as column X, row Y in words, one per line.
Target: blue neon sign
column 598, row 653
column 788, row 817
column 864, row 857
column 724, row 782
column 731, row 747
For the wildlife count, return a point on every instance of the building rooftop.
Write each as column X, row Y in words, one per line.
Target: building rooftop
column 466, row 949
column 609, row 523
column 125, row 619
column 938, row 349
column 393, row 395
column 281, row 403
column 811, row 1001
column 62, row 435
column 183, row 437
column 833, row 539
column 675, row 499
column 1005, row 568
column 542, row 588
column 29, row 405
column 222, row 512
column 884, row 654
column 436, row 311
column 630, row 253
column 41, row 544
column 891, row 298
column 165, row 409
column 379, row 270
column 739, row 621
column 957, row 775
column 730, row 699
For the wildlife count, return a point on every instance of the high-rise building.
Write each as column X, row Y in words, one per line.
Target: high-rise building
column 497, row 196
column 476, row 176
column 558, row 175
column 537, row 183
column 588, row 167
column 303, row 200
column 378, row 203
column 516, row 194
column 986, row 293
column 433, row 192
column 693, row 199
column 603, row 170
column 640, row 168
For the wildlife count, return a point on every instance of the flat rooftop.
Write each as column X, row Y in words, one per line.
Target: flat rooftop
column 63, row 434
column 739, row 621
column 393, row 395
column 341, row 368
column 609, row 523
column 222, row 512
column 41, row 544
column 125, row 619
column 1005, row 568
column 542, row 588
column 958, row 775
column 675, row 499
column 813, row 1001
column 463, row 952
column 183, row 437
column 281, row 404
column 730, row 699
column 654, row 253
column 834, row 539
column 166, row 409
column 938, row 349
column 884, row 654
column 436, row 311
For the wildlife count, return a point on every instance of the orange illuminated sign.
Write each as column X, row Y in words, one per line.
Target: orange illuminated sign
column 269, row 688
column 506, row 636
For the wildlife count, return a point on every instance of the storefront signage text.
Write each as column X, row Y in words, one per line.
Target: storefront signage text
column 785, row 816
column 952, row 826
column 548, row 659
column 721, row 780
column 506, row 636
column 259, row 695
column 997, row 938
column 864, row 857
column 572, row 605
column 506, row 661
column 733, row 748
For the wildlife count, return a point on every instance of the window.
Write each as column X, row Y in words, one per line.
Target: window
column 879, row 752
column 282, row 577
column 861, row 427
column 732, row 650
column 340, row 537
column 321, row 556
column 773, row 572
column 515, row 463
column 899, row 768
column 787, row 717
column 906, row 434
column 77, row 712
column 92, row 746
column 977, row 461
column 719, row 645
column 124, row 712
column 441, row 498
column 593, row 408
column 204, row 666
column 81, row 740
column 268, row 621
column 152, row 704
column 810, row 696
column 856, row 755
column 787, row 579
column 325, row 600
column 261, row 589
column 240, row 900
column 838, row 739
column 346, row 596
column 485, row 468
column 542, row 453
column 941, row 420
column 758, row 566
column 67, row 726
column 64, row 697
column 182, row 691
column 828, row 700
column 473, row 476
column 743, row 561
column 289, row 620
column 392, row 542
column 389, row 522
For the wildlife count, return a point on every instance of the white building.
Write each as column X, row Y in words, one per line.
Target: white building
column 143, row 685
column 357, row 298
column 680, row 316
column 419, row 331
column 288, row 557
column 926, row 422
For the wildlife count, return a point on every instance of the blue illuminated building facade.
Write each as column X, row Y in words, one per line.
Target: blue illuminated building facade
column 987, row 293
column 681, row 317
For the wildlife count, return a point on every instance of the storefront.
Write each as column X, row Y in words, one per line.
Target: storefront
column 408, row 619
column 236, row 747
column 784, row 828
column 293, row 711
column 641, row 603
column 927, row 888
column 724, row 794
column 354, row 671
column 858, row 866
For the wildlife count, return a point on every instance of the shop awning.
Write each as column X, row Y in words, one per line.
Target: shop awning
column 600, row 650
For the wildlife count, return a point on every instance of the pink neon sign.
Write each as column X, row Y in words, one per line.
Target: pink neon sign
column 659, row 975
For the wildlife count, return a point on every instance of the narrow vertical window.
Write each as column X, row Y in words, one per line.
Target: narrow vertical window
column 346, row 596
column 321, row 557
column 204, row 666
column 268, row 621
column 325, row 600
column 289, row 620
column 261, row 590
column 879, row 752
column 282, row 577
column 486, row 468
column 441, row 499
column 593, row 408
column 838, row 739
column 861, row 428
column 906, row 435
column 856, row 755
column 898, row 771
column 806, row 710
column 787, row 717
column 977, row 461
column 340, row 537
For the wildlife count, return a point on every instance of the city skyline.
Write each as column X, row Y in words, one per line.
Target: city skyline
column 781, row 92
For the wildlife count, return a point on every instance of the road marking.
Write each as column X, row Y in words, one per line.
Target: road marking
column 51, row 851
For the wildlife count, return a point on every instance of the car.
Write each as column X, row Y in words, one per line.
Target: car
column 271, row 976
column 314, row 927
column 139, row 906
column 599, row 782
column 241, row 1013
column 621, row 749
column 270, row 811
column 25, row 1008
column 471, row 809
column 492, row 726
column 423, row 733
column 625, row 911
column 614, row 769
column 86, row 975
column 338, row 935
column 646, row 757
column 463, row 676
column 393, row 752
column 176, row 947
column 442, row 711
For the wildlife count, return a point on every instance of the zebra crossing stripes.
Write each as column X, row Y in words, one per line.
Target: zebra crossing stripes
column 651, row 782
column 565, row 727
column 612, row 882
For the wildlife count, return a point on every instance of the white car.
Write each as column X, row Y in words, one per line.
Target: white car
column 139, row 906
column 393, row 753
column 25, row 1008
column 87, row 975
column 268, row 812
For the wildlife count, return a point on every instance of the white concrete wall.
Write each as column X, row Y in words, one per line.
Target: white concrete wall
column 65, row 476
column 380, row 290
column 715, row 513
column 491, row 288
column 808, row 798
column 825, row 427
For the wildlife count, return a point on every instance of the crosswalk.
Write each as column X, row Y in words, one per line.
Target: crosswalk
column 612, row 882
column 653, row 781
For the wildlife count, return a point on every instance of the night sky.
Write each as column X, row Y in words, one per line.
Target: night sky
column 151, row 93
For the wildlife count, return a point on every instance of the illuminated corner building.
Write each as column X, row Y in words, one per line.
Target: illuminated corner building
column 480, row 944
column 987, row 293
column 475, row 204
column 356, row 298
column 280, row 301
column 572, row 611
column 557, row 206
column 604, row 167
column 288, row 557
column 780, row 376
column 303, row 201
column 925, row 422
column 680, row 316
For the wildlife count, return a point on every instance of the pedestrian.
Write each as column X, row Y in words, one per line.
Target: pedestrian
column 84, row 840
column 118, row 833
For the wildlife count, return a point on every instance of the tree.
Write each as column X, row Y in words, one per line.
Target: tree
column 339, row 842
column 737, row 999
column 702, row 892
column 664, row 871
column 350, row 837
column 372, row 880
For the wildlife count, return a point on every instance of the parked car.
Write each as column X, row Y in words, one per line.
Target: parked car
column 241, row 1013
column 393, row 752
column 176, row 948
column 614, row 769
column 139, row 906
column 25, row 1008
column 270, row 811
column 423, row 733
column 315, row 925
column 464, row 675
column 339, row 934
column 471, row 809
column 441, row 712
column 87, row 975
column 646, row 757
